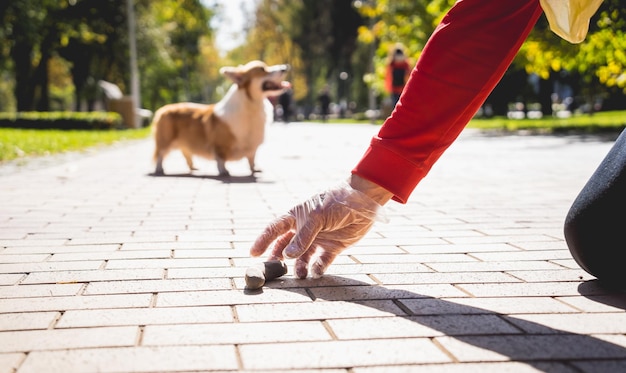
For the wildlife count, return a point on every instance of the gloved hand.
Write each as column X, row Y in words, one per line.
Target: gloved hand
column 325, row 224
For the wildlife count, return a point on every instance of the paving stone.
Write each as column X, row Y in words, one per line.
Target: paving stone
column 229, row 297
column 464, row 249
column 398, row 278
column 517, row 367
column 59, row 339
column 420, row 326
column 156, row 286
column 530, row 348
column 594, row 323
column 237, row 333
column 112, row 255
column 523, row 289
column 27, row 321
column 601, row 365
column 523, row 255
column 493, row 266
column 316, row 310
column 497, row 305
column 27, row 291
column 88, row 276
column 73, row 302
column 552, row 276
column 32, row 268
column 135, row 359
column 216, row 272
column 10, row 279
column 144, row 316
column 414, row 258
column 166, row 263
column 596, row 303
column 387, row 292
column 10, row 362
column 336, row 354
column 74, row 250
column 23, row 258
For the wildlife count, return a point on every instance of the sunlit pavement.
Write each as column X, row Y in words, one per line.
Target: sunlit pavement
column 105, row 268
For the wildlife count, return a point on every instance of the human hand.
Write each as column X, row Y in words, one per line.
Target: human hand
column 325, row 225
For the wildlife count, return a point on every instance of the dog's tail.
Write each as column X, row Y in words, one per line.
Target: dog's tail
column 156, row 119
column 155, row 127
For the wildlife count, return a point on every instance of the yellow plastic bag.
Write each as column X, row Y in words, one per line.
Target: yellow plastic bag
column 570, row 18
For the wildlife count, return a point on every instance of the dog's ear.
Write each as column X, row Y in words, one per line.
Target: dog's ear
column 233, row 73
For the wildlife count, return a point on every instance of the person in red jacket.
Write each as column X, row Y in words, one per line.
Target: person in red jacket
column 463, row 60
column 396, row 74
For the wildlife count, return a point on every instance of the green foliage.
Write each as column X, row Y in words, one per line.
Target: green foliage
column 61, row 120
column 171, row 37
column 600, row 59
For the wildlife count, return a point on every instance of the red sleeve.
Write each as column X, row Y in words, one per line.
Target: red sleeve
column 460, row 65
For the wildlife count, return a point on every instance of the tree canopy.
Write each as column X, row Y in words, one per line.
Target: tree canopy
column 90, row 38
column 54, row 52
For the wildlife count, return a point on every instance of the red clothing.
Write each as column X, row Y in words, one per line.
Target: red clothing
column 462, row 62
column 396, row 76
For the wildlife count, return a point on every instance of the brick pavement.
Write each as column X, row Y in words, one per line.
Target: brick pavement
column 104, row 268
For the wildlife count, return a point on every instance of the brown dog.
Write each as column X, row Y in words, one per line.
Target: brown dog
column 229, row 130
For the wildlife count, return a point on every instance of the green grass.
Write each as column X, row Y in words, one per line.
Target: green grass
column 21, row 143
column 598, row 122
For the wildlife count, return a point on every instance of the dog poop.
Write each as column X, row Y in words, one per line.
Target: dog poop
column 257, row 275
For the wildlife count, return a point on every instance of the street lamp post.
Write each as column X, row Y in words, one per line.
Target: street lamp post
column 134, row 71
column 372, row 111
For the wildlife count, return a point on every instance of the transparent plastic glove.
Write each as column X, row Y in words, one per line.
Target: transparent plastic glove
column 569, row 19
column 319, row 229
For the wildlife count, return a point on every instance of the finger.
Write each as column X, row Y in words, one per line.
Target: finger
column 301, row 268
column 277, row 228
column 304, row 237
column 279, row 245
column 322, row 262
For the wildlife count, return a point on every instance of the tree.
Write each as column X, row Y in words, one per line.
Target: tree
column 22, row 32
column 171, row 35
column 93, row 37
column 316, row 37
column 597, row 65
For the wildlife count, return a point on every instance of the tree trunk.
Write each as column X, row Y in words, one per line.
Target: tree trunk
column 24, row 89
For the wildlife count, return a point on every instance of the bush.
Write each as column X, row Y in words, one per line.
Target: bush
column 61, row 120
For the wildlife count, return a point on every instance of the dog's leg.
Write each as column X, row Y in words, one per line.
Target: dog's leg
column 221, row 167
column 253, row 168
column 189, row 159
column 159, row 165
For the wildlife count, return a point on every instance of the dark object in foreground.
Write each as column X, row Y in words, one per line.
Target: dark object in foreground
column 595, row 227
column 257, row 275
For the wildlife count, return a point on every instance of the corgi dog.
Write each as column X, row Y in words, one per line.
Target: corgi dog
column 229, row 130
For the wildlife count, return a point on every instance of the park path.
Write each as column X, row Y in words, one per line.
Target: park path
column 104, row 268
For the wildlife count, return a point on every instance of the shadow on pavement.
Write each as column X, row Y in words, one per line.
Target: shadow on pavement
column 571, row 135
column 224, row 179
column 614, row 298
column 518, row 339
